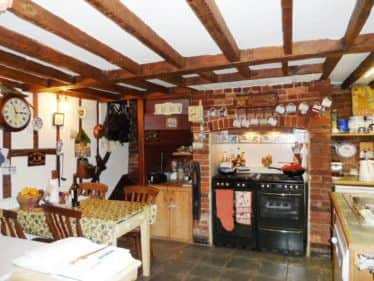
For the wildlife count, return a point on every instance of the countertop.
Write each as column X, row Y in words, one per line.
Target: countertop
column 356, row 232
column 352, row 181
column 172, row 184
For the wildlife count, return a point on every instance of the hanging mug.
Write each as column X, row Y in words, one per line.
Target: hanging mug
column 291, row 108
column 272, row 121
column 236, row 122
column 245, row 122
column 280, row 109
column 326, row 102
column 317, row 107
column 303, row 108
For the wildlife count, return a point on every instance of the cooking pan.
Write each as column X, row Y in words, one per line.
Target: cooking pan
column 290, row 173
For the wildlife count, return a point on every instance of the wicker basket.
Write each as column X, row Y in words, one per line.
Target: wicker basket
column 27, row 202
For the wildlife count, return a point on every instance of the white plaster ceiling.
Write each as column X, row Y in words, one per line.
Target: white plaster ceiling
column 345, row 66
column 252, row 23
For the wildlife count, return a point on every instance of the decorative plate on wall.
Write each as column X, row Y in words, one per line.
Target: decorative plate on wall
column 345, row 149
column 37, row 123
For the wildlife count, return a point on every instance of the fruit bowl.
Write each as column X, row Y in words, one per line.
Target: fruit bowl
column 29, row 197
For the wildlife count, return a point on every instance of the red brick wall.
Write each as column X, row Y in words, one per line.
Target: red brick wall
column 319, row 127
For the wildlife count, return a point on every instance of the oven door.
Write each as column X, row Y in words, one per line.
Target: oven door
column 281, row 210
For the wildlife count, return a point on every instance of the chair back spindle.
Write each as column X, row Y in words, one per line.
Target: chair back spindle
column 10, row 225
column 61, row 221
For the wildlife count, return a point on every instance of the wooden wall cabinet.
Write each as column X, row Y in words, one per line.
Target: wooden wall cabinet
column 174, row 213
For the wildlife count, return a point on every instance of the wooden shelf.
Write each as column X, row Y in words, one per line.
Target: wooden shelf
column 182, row 154
column 352, row 134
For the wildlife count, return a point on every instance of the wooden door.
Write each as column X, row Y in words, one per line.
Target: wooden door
column 181, row 214
column 161, row 227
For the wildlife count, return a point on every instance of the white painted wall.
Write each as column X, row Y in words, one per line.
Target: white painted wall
column 38, row 176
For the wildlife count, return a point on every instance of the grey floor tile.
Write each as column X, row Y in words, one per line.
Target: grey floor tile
column 173, row 261
column 276, row 270
column 207, row 271
column 243, row 264
column 234, row 275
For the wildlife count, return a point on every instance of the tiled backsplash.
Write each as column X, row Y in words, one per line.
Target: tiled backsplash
column 255, row 146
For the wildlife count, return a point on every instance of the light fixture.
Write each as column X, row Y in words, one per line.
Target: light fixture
column 369, row 73
column 5, row 5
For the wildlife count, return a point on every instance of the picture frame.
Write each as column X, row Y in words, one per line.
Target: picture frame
column 58, row 119
column 171, row 122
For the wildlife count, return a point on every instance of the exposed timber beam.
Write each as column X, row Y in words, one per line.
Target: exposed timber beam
column 259, row 74
column 287, row 25
column 24, row 77
column 358, row 18
column 131, row 23
column 13, row 84
column 212, row 19
column 41, row 17
column 365, row 66
column 32, row 48
column 285, row 67
column 301, row 50
column 30, row 66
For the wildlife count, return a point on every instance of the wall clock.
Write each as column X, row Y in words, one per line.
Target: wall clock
column 15, row 113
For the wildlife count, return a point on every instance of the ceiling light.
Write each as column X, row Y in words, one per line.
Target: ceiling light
column 5, row 4
column 369, row 73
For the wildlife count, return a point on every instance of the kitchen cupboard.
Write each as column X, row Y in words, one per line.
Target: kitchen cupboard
column 174, row 213
column 351, row 237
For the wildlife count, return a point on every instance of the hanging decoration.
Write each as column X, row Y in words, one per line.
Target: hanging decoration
column 116, row 124
column 5, row 5
column 82, row 145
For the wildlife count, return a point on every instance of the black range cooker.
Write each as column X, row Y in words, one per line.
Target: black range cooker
column 279, row 213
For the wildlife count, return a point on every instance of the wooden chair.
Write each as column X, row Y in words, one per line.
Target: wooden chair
column 60, row 221
column 93, row 189
column 141, row 194
column 10, row 225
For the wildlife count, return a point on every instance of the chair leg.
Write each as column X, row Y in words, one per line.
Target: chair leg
column 138, row 247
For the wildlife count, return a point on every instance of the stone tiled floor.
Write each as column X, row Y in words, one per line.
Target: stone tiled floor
column 177, row 261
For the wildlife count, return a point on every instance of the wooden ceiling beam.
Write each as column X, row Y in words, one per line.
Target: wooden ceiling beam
column 24, row 77
column 210, row 16
column 259, row 74
column 132, row 24
column 301, row 50
column 329, row 65
column 32, row 48
column 41, row 17
column 358, row 18
column 13, row 84
column 30, row 66
column 285, row 68
column 212, row 19
column 365, row 66
column 287, row 25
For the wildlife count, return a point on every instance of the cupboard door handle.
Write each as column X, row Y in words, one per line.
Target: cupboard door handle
column 172, row 206
column 334, row 240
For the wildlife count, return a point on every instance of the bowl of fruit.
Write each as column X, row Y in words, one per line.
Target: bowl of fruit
column 29, row 197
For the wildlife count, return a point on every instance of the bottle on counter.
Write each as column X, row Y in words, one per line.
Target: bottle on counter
column 334, row 119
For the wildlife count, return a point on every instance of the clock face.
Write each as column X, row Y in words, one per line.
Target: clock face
column 16, row 113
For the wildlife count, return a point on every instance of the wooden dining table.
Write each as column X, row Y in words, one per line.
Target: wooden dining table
column 103, row 221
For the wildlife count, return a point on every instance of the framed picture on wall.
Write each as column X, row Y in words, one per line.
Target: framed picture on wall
column 58, row 119
column 171, row 122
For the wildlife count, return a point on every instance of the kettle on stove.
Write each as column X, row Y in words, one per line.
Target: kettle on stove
column 367, row 170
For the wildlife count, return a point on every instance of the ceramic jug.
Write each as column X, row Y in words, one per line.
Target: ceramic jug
column 367, row 170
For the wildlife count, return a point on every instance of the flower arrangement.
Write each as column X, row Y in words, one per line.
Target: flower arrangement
column 29, row 197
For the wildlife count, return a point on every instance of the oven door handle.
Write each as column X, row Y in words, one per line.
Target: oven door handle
column 280, row 194
column 281, row 230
